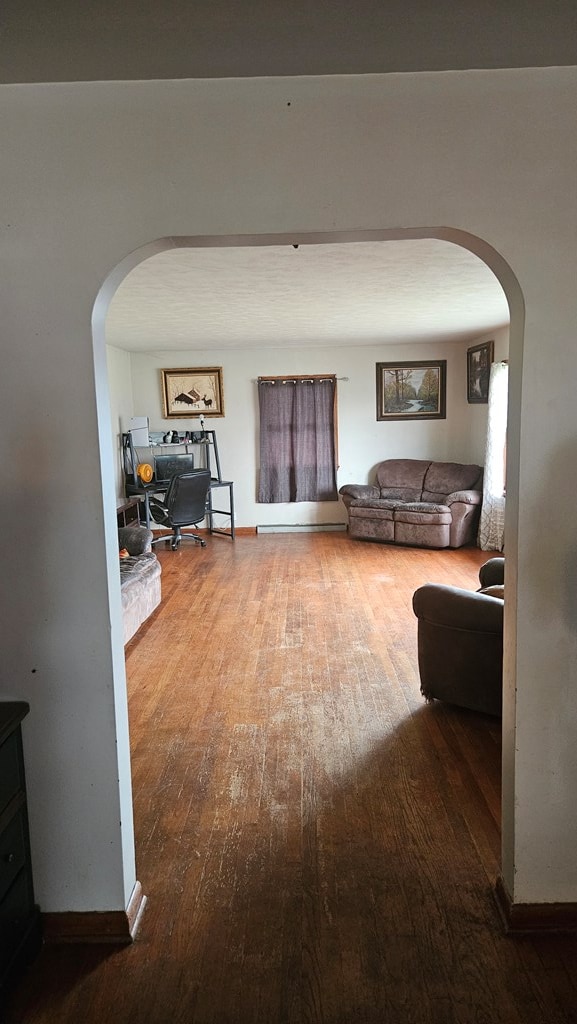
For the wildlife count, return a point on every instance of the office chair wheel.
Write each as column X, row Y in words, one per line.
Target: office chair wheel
column 203, row 543
column 174, row 544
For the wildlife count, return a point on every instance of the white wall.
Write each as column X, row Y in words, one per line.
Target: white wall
column 92, row 173
column 362, row 440
column 121, row 406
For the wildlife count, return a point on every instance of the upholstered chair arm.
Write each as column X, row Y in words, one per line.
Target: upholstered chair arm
column 466, row 497
column 349, row 492
column 465, row 510
column 136, row 539
column 460, row 647
column 468, row 610
column 492, row 573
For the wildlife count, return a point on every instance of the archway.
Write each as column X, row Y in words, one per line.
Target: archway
column 511, row 288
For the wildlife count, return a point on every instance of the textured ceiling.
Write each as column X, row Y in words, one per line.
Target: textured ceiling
column 356, row 293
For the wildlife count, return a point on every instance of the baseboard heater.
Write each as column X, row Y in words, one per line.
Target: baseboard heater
column 301, row 527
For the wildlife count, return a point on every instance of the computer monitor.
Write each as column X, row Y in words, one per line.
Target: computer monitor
column 166, row 466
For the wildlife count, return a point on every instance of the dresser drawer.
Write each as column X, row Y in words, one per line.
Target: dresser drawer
column 13, row 847
column 20, row 933
column 16, row 911
column 11, row 775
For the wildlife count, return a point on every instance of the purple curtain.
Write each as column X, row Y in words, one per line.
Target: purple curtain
column 297, row 441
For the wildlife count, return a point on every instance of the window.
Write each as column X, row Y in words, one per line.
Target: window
column 492, row 524
column 297, row 439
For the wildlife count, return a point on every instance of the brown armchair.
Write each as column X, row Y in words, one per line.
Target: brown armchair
column 460, row 641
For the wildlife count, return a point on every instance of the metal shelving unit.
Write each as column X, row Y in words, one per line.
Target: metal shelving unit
column 203, row 445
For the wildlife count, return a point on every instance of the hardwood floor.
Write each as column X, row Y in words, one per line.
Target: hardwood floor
column 316, row 843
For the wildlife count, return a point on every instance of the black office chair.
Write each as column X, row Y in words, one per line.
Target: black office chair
column 184, row 504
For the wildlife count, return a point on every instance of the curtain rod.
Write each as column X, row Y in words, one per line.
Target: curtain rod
column 293, row 380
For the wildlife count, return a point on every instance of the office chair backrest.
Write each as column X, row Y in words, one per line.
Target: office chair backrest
column 186, row 497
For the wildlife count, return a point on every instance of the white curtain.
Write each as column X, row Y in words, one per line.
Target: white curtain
column 492, row 523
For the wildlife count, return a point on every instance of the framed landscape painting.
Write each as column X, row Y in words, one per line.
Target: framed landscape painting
column 412, row 391
column 192, row 392
column 479, row 359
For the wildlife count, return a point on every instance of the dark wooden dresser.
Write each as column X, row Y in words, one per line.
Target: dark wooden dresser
column 19, row 917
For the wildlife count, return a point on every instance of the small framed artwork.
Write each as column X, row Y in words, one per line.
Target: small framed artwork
column 479, row 359
column 412, row 391
column 192, row 392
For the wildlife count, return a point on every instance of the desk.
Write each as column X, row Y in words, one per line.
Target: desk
column 142, row 492
column 211, row 511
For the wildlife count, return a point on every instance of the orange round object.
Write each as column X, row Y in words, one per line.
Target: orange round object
column 144, row 471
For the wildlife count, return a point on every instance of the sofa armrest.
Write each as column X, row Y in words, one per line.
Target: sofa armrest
column 136, row 539
column 442, row 605
column 465, row 497
column 352, row 491
column 492, row 573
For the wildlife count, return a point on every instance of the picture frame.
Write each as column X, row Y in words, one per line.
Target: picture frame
column 412, row 390
column 192, row 391
column 479, row 359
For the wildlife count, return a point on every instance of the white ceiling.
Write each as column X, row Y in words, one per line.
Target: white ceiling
column 325, row 295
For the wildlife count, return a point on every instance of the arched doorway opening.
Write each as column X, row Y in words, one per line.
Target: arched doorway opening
column 511, row 288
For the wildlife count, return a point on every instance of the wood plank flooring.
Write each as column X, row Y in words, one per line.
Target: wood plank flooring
column 316, row 843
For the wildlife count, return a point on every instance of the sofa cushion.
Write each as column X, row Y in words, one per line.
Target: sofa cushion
column 369, row 527
column 423, row 512
column 400, row 494
column 402, row 479
column 137, row 566
column 430, row 507
column 375, row 508
column 443, row 478
column 429, row 534
column 140, row 590
column 353, row 491
column 136, row 539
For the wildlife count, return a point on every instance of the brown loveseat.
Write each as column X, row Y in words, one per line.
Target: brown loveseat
column 417, row 502
column 460, row 641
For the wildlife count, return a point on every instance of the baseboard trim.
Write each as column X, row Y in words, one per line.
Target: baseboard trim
column 300, row 527
column 135, row 910
column 108, row 927
column 543, row 918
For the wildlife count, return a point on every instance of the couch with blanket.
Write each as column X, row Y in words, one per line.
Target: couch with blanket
column 460, row 641
column 139, row 577
column 417, row 502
